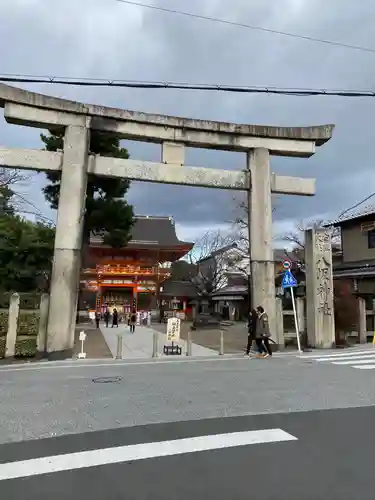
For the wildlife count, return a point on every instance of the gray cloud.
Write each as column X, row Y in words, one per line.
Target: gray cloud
column 103, row 38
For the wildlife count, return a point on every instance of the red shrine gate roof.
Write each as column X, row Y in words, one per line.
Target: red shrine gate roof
column 150, row 232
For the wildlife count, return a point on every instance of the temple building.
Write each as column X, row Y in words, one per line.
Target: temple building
column 133, row 276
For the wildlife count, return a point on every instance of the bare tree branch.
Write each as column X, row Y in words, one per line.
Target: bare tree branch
column 14, row 179
column 9, row 177
column 210, row 261
column 296, row 239
column 239, row 221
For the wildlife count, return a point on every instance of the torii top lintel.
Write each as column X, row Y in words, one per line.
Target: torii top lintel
column 44, row 111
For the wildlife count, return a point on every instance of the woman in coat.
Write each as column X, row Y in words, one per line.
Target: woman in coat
column 263, row 333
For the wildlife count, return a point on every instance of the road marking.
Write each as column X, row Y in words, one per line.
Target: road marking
column 355, row 361
column 361, row 359
column 338, row 355
column 348, row 358
column 107, row 456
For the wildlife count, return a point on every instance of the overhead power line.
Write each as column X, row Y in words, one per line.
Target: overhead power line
column 102, row 82
column 249, row 26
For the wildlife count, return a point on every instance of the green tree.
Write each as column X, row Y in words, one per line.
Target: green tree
column 26, row 253
column 107, row 212
column 6, row 195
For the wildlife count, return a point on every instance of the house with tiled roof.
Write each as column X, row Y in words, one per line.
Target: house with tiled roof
column 356, row 266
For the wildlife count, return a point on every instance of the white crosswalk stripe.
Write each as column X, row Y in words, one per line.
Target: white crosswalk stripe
column 361, row 359
column 142, row 451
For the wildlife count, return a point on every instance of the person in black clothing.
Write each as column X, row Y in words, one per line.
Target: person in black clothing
column 133, row 320
column 115, row 318
column 251, row 328
column 97, row 319
column 106, row 318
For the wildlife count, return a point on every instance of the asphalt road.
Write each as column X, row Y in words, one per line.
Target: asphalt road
column 330, row 455
column 286, row 427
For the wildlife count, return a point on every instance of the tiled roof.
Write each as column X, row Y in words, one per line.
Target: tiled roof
column 178, row 289
column 231, row 290
column 356, row 213
column 151, row 232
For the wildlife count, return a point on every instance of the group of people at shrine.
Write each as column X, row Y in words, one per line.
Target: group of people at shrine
column 114, row 318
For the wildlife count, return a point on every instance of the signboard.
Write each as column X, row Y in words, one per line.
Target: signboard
column 173, row 329
column 118, row 282
column 289, row 280
column 82, row 338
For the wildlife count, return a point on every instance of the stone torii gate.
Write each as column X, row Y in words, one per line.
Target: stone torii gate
column 173, row 133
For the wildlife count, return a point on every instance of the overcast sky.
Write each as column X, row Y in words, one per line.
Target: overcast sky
column 107, row 39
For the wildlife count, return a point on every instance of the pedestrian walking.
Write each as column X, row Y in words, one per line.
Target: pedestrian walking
column 115, row 318
column 251, row 329
column 106, row 318
column 97, row 318
column 263, row 333
column 133, row 320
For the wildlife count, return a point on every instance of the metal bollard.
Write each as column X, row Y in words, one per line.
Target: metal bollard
column 221, row 352
column 155, row 339
column 119, row 346
column 189, row 344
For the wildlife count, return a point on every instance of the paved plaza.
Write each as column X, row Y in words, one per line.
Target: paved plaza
column 139, row 345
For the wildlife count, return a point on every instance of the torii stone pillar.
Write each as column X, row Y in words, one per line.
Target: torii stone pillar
column 319, row 288
column 173, row 133
column 261, row 251
column 68, row 240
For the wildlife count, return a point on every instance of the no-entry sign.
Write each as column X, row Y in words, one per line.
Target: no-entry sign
column 286, row 264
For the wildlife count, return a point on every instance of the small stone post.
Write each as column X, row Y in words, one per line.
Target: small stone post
column 119, row 346
column 41, row 341
column 155, row 339
column 14, row 308
column 362, row 328
column 189, row 344
column 300, row 306
column 221, row 352
column 280, row 321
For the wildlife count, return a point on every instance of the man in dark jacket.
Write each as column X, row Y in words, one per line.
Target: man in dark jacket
column 251, row 328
